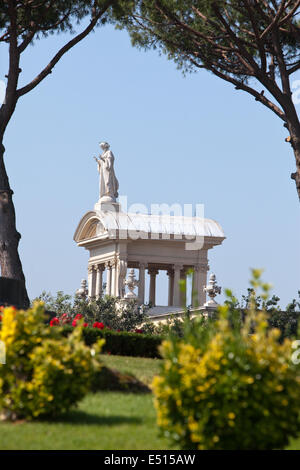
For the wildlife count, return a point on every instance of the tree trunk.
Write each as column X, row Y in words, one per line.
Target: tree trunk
column 293, row 125
column 295, row 142
column 10, row 262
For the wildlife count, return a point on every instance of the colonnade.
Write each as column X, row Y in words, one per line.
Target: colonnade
column 116, row 274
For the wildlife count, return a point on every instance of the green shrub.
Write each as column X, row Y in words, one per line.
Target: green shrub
column 124, row 316
column 45, row 373
column 229, row 385
column 122, row 343
column 287, row 322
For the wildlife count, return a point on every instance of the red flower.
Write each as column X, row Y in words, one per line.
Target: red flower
column 74, row 322
column 54, row 321
column 85, row 325
column 138, row 331
column 78, row 316
column 0, row 317
column 99, row 325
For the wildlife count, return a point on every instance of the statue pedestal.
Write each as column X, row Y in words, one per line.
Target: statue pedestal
column 211, row 304
column 107, row 206
column 208, row 311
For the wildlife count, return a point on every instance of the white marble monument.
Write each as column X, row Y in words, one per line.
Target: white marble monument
column 117, row 241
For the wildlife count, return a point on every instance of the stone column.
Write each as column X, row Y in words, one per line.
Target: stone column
column 170, row 274
column 114, row 284
column 141, row 285
column 199, row 281
column 108, row 278
column 121, row 276
column 195, row 287
column 99, row 280
column 153, row 273
column 202, row 281
column 176, row 295
column 91, row 281
column 113, row 278
column 183, row 293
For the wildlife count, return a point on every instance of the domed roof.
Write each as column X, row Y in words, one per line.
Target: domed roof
column 125, row 225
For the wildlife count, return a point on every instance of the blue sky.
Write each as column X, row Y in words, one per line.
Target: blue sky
column 191, row 139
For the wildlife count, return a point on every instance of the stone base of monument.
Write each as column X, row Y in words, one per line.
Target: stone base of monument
column 163, row 313
column 107, row 206
column 12, row 292
column 209, row 311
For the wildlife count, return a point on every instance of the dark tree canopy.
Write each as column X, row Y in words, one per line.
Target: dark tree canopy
column 42, row 16
column 23, row 22
column 253, row 44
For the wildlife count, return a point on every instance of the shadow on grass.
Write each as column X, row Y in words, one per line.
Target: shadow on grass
column 80, row 417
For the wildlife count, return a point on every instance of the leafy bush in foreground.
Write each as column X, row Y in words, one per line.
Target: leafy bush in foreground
column 230, row 385
column 45, row 373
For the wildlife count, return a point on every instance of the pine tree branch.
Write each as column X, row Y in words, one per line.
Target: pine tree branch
column 48, row 69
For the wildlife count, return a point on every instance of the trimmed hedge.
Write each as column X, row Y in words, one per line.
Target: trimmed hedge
column 121, row 343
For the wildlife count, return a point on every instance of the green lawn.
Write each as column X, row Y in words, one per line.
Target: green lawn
column 142, row 368
column 105, row 420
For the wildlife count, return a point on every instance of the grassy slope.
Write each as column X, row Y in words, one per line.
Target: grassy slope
column 143, row 369
column 110, row 420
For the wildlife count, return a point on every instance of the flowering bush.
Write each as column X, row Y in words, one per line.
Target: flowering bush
column 54, row 321
column 99, row 325
column 45, row 373
column 106, row 310
column 65, row 319
column 229, row 385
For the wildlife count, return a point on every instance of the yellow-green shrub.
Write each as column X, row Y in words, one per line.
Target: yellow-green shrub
column 228, row 386
column 45, row 373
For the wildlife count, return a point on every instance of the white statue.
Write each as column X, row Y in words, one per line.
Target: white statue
column 109, row 184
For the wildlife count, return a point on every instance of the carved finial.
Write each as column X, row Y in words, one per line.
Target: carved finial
column 82, row 292
column 131, row 283
column 212, row 289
